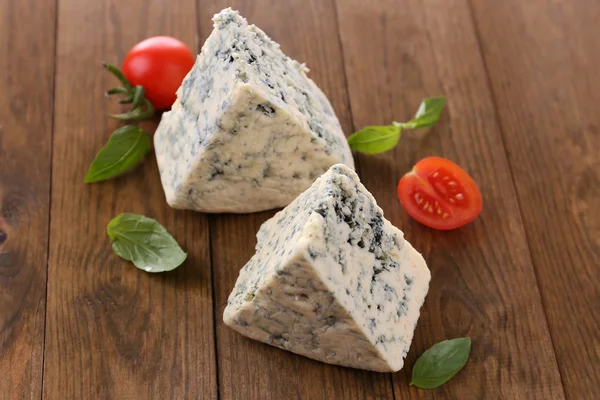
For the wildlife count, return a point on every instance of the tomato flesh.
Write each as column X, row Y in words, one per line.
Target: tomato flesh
column 159, row 64
column 440, row 194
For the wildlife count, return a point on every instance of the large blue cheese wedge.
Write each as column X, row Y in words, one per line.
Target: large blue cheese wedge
column 332, row 280
column 249, row 130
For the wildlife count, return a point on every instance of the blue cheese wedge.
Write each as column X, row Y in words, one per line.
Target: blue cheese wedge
column 249, row 130
column 332, row 280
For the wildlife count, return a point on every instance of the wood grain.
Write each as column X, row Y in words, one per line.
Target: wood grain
column 483, row 283
column 307, row 31
column 26, row 90
column 543, row 68
column 113, row 331
column 522, row 280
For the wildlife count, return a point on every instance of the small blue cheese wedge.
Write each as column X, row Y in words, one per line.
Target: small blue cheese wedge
column 332, row 280
column 249, row 130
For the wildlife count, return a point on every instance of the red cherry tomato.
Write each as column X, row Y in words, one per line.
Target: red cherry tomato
column 440, row 194
column 159, row 64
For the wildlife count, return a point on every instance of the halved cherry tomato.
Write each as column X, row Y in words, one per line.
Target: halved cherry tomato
column 159, row 64
column 440, row 194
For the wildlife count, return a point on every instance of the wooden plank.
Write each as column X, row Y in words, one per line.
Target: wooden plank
column 542, row 58
column 26, row 90
column 247, row 369
column 113, row 331
column 483, row 283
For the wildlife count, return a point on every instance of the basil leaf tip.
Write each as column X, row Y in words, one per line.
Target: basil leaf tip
column 125, row 148
column 440, row 363
column 379, row 139
column 427, row 115
column 145, row 243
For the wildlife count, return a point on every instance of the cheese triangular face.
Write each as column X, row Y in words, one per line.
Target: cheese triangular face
column 332, row 280
column 249, row 130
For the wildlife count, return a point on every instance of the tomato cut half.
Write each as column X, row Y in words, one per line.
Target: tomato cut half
column 440, row 194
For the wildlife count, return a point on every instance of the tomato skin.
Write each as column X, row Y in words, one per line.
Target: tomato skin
column 159, row 64
column 440, row 194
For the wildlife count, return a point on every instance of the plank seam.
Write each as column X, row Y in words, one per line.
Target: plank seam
column 494, row 100
column 52, row 124
column 345, row 74
column 341, row 46
column 209, row 219
column 215, row 305
column 352, row 125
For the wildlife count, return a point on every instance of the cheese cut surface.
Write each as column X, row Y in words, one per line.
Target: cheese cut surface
column 332, row 279
column 249, row 130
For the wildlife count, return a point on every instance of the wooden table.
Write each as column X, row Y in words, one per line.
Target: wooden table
column 523, row 281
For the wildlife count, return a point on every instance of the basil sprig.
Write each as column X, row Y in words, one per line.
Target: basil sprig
column 440, row 363
column 126, row 147
column 129, row 144
column 141, row 108
column 145, row 243
column 379, row 139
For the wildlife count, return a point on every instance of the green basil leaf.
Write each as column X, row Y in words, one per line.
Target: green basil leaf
column 375, row 139
column 125, row 148
column 440, row 363
column 144, row 242
column 378, row 139
column 427, row 115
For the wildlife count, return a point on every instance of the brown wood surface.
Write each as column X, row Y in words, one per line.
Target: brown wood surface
column 248, row 368
column 483, row 284
column 26, row 92
column 113, row 332
column 548, row 101
column 523, row 280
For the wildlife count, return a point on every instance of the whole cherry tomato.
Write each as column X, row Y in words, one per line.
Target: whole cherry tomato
column 159, row 64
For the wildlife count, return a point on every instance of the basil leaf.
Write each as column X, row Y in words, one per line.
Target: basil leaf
column 427, row 115
column 125, row 148
column 144, row 242
column 378, row 139
column 440, row 363
column 375, row 139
